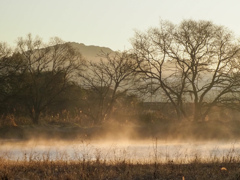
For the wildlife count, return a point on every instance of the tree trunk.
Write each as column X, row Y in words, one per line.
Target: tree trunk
column 35, row 120
column 35, row 116
column 197, row 112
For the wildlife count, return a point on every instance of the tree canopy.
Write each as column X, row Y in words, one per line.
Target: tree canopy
column 193, row 62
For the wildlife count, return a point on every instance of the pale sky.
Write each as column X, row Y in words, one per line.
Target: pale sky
column 108, row 23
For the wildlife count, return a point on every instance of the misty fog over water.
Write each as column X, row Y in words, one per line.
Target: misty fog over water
column 148, row 151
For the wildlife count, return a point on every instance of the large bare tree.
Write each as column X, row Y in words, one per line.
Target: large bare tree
column 191, row 63
column 48, row 70
column 105, row 82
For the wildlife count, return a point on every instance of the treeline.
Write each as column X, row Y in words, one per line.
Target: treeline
column 50, row 80
column 192, row 68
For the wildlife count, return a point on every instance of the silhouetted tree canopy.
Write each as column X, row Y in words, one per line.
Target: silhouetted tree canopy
column 193, row 62
column 46, row 72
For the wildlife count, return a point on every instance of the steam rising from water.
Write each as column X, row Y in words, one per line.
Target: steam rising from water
column 116, row 142
column 132, row 151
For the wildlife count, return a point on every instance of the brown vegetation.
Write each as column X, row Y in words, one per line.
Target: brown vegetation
column 60, row 169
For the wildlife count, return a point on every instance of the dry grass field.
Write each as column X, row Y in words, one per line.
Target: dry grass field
column 56, row 170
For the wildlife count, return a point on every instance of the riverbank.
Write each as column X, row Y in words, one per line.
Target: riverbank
column 117, row 170
column 167, row 131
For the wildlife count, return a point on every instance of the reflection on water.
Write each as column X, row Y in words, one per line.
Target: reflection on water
column 114, row 151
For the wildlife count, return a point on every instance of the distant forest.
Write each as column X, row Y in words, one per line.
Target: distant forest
column 184, row 72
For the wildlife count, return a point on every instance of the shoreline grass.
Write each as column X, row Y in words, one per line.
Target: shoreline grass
column 116, row 170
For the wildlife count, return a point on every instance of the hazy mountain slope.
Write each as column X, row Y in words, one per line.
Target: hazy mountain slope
column 90, row 52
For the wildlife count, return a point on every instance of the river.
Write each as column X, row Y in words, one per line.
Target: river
column 117, row 151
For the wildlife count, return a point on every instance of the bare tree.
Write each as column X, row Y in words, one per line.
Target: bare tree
column 107, row 80
column 49, row 69
column 193, row 62
column 5, row 50
column 10, row 68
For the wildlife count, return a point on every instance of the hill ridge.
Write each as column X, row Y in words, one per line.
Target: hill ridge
column 90, row 52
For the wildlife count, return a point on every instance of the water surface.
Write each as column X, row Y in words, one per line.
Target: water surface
column 147, row 151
